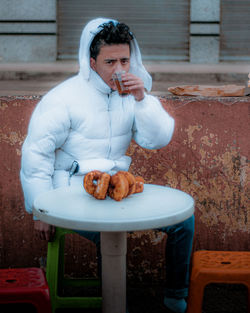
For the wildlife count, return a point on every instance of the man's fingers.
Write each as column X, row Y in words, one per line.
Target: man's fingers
column 135, row 87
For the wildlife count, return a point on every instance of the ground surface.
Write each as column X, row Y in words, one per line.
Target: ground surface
column 149, row 299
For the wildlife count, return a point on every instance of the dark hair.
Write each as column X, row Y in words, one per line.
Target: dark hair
column 110, row 33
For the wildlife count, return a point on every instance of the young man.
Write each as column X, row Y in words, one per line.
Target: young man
column 85, row 121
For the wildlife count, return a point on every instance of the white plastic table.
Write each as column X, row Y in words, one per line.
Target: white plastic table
column 73, row 208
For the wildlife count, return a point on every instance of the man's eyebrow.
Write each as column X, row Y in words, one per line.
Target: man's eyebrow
column 114, row 59
column 110, row 60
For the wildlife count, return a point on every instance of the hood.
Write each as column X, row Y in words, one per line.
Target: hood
column 89, row 32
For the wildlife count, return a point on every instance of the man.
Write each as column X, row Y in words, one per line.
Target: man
column 85, row 122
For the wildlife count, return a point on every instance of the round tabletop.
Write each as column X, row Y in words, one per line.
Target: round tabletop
column 72, row 208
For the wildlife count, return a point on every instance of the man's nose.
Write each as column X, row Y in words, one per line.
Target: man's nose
column 119, row 67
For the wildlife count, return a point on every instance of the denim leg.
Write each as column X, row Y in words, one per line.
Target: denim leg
column 96, row 239
column 178, row 254
column 93, row 236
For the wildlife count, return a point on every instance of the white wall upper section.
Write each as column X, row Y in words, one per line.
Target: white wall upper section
column 205, row 10
column 27, row 10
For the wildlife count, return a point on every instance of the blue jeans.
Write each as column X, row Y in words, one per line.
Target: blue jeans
column 178, row 254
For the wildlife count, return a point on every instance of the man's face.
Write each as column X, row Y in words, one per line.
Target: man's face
column 112, row 58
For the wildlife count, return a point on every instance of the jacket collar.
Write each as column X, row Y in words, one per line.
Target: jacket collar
column 99, row 83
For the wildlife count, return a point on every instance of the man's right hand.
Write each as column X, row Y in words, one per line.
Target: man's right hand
column 44, row 231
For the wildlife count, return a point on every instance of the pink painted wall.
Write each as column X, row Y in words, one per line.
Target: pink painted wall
column 207, row 158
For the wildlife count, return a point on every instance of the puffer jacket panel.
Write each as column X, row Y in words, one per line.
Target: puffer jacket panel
column 101, row 130
column 83, row 120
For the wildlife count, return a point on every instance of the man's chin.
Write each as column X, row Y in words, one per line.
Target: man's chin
column 112, row 86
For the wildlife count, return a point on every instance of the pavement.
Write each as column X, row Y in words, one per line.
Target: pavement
column 38, row 78
column 146, row 298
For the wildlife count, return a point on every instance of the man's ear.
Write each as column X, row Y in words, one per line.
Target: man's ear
column 92, row 64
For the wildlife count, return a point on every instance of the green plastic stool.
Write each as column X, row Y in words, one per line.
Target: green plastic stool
column 55, row 277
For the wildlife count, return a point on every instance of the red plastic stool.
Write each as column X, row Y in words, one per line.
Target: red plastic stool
column 25, row 285
column 217, row 267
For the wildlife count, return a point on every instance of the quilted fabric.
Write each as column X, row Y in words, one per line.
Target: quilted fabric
column 82, row 119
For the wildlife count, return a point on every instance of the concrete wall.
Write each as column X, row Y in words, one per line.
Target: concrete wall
column 28, row 31
column 207, row 158
column 204, row 31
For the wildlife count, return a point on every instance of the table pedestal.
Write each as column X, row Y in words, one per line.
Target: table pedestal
column 114, row 249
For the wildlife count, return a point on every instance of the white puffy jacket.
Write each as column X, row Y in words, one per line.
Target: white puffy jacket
column 82, row 119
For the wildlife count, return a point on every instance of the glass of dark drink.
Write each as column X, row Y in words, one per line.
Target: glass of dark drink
column 117, row 78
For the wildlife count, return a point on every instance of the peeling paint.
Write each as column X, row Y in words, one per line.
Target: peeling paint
column 18, row 152
column 152, row 236
column 206, row 141
column 3, row 106
column 12, row 138
column 207, row 158
column 190, row 130
column 222, row 180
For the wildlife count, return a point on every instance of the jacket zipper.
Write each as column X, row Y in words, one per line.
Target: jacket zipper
column 109, row 114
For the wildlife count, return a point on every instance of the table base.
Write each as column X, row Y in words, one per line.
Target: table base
column 114, row 249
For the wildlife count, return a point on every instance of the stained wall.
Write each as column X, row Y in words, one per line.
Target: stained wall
column 206, row 158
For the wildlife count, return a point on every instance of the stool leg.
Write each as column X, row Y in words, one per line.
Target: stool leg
column 41, row 302
column 53, row 257
column 248, row 308
column 55, row 277
column 195, row 298
column 61, row 261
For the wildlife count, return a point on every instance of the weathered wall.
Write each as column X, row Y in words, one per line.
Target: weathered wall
column 207, row 158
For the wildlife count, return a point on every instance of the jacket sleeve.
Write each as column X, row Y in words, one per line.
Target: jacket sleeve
column 48, row 130
column 153, row 126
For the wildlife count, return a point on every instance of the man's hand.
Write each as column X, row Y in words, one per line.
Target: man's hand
column 135, row 85
column 44, row 231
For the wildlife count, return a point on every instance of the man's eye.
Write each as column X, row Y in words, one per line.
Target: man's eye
column 125, row 61
column 109, row 62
